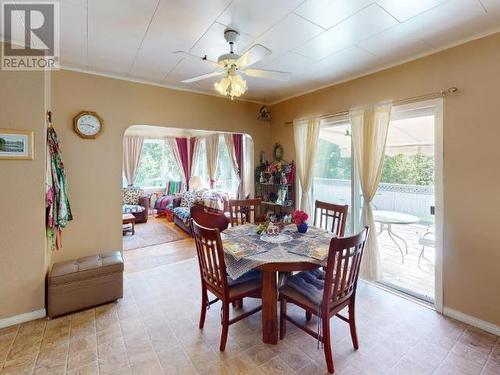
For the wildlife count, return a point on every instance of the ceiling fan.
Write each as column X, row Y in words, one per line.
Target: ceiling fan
column 232, row 65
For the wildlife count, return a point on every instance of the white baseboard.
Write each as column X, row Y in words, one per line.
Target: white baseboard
column 475, row 322
column 21, row 318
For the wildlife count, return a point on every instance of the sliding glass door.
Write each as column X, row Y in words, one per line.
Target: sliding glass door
column 334, row 175
column 405, row 206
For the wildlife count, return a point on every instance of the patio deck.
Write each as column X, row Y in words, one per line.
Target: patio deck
column 416, row 278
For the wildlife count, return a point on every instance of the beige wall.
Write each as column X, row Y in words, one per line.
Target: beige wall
column 94, row 167
column 22, row 200
column 471, row 157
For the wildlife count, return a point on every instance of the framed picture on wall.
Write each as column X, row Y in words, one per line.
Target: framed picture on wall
column 16, row 144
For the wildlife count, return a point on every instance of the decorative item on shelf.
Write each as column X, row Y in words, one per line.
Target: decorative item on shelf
column 282, row 194
column 16, row 144
column 273, row 197
column 278, row 152
column 262, row 179
column 87, row 124
column 264, row 114
column 283, row 179
column 300, row 220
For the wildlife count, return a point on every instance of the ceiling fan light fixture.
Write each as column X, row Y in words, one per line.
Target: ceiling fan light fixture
column 231, row 86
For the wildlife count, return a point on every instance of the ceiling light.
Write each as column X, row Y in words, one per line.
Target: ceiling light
column 232, row 85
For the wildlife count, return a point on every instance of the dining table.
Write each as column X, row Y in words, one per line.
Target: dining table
column 288, row 251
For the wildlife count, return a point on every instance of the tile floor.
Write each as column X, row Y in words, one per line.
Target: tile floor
column 153, row 330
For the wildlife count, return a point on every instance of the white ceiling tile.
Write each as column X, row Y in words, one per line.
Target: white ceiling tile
column 289, row 62
column 256, row 16
column 400, row 41
column 73, row 34
column 491, row 5
column 446, row 23
column 116, row 29
column 362, row 25
column 213, row 43
column 328, row 13
column 405, row 9
column 289, row 33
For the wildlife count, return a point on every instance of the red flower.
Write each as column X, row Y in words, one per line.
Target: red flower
column 299, row 217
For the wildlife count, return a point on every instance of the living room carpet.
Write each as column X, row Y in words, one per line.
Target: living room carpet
column 154, row 232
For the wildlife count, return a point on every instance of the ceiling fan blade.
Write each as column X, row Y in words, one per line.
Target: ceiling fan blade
column 188, row 55
column 256, row 53
column 269, row 74
column 202, row 77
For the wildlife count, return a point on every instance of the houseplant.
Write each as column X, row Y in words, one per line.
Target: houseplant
column 299, row 218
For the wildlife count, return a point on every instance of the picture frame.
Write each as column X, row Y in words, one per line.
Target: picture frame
column 16, row 144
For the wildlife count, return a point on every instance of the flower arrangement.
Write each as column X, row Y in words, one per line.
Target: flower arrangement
column 299, row 217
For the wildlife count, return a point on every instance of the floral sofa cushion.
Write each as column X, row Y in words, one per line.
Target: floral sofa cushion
column 132, row 209
column 188, row 198
column 183, row 213
column 131, row 195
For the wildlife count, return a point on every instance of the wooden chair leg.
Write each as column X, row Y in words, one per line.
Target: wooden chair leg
column 352, row 325
column 225, row 325
column 327, row 346
column 203, row 313
column 282, row 319
column 308, row 316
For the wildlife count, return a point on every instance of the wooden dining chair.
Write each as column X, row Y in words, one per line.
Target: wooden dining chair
column 326, row 293
column 214, row 279
column 336, row 212
column 242, row 211
column 209, row 218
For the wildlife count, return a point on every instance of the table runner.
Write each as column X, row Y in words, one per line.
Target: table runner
column 244, row 250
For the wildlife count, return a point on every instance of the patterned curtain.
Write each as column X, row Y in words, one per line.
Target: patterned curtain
column 58, row 210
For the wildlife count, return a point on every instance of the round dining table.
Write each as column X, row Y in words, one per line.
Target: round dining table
column 387, row 218
column 245, row 250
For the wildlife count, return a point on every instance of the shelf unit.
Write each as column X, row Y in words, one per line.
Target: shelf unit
column 275, row 196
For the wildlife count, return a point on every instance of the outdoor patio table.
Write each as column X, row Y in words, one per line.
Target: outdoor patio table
column 245, row 250
column 387, row 219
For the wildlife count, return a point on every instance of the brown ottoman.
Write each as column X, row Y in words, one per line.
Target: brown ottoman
column 82, row 283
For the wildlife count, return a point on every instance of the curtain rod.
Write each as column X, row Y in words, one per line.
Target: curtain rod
column 433, row 95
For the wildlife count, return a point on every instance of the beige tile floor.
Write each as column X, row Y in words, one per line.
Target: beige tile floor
column 153, row 330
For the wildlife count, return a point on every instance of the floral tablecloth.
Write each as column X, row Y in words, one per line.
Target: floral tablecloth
column 244, row 249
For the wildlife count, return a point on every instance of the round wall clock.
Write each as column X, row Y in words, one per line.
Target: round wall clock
column 87, row 124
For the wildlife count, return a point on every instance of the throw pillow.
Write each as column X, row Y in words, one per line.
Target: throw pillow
column 188, row 199
column 131, row 195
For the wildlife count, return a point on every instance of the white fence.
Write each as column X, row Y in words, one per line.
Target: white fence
column 412, row 199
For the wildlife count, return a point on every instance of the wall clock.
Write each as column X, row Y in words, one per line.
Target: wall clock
column 87, row 124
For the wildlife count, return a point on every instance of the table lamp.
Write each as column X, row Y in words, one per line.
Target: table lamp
column 195, row 183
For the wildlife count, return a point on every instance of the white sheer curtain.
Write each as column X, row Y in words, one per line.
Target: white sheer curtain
column 369, row 135
column 172, row 144
column 228, row 139
column 306, row 134
column 248, row 173
column 193, row 154
column 132, row 148
column 212, row 149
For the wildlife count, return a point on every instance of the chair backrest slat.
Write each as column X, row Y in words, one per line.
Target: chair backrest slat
column 336, row 212
column 342, row 269
column 242, row 211
column 210, row 257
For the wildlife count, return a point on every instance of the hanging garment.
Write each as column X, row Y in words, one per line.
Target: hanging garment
column 58, row 211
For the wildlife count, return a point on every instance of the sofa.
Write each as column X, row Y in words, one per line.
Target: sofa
column 212, row 200
column 164, row 202
column 135, row 202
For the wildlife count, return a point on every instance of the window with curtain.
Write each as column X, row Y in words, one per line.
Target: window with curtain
column 226, row 179
column 157, row 165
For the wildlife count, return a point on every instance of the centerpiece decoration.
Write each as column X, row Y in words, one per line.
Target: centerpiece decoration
column 299, row 218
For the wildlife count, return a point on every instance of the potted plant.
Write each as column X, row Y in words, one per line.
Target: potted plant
column 300, row 219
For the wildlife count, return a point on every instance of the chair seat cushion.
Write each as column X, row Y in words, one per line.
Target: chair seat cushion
column 250, row 275
column 183, row 213
column 244, row 288
column 306, row 285
column 132, row 209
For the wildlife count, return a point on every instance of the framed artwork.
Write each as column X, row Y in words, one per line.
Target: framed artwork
column 282, row 194
column 16, row 144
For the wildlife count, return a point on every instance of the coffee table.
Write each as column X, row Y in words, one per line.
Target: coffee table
column 129, row 219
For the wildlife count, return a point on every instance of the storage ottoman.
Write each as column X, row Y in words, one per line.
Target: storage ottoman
column 86, row 282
